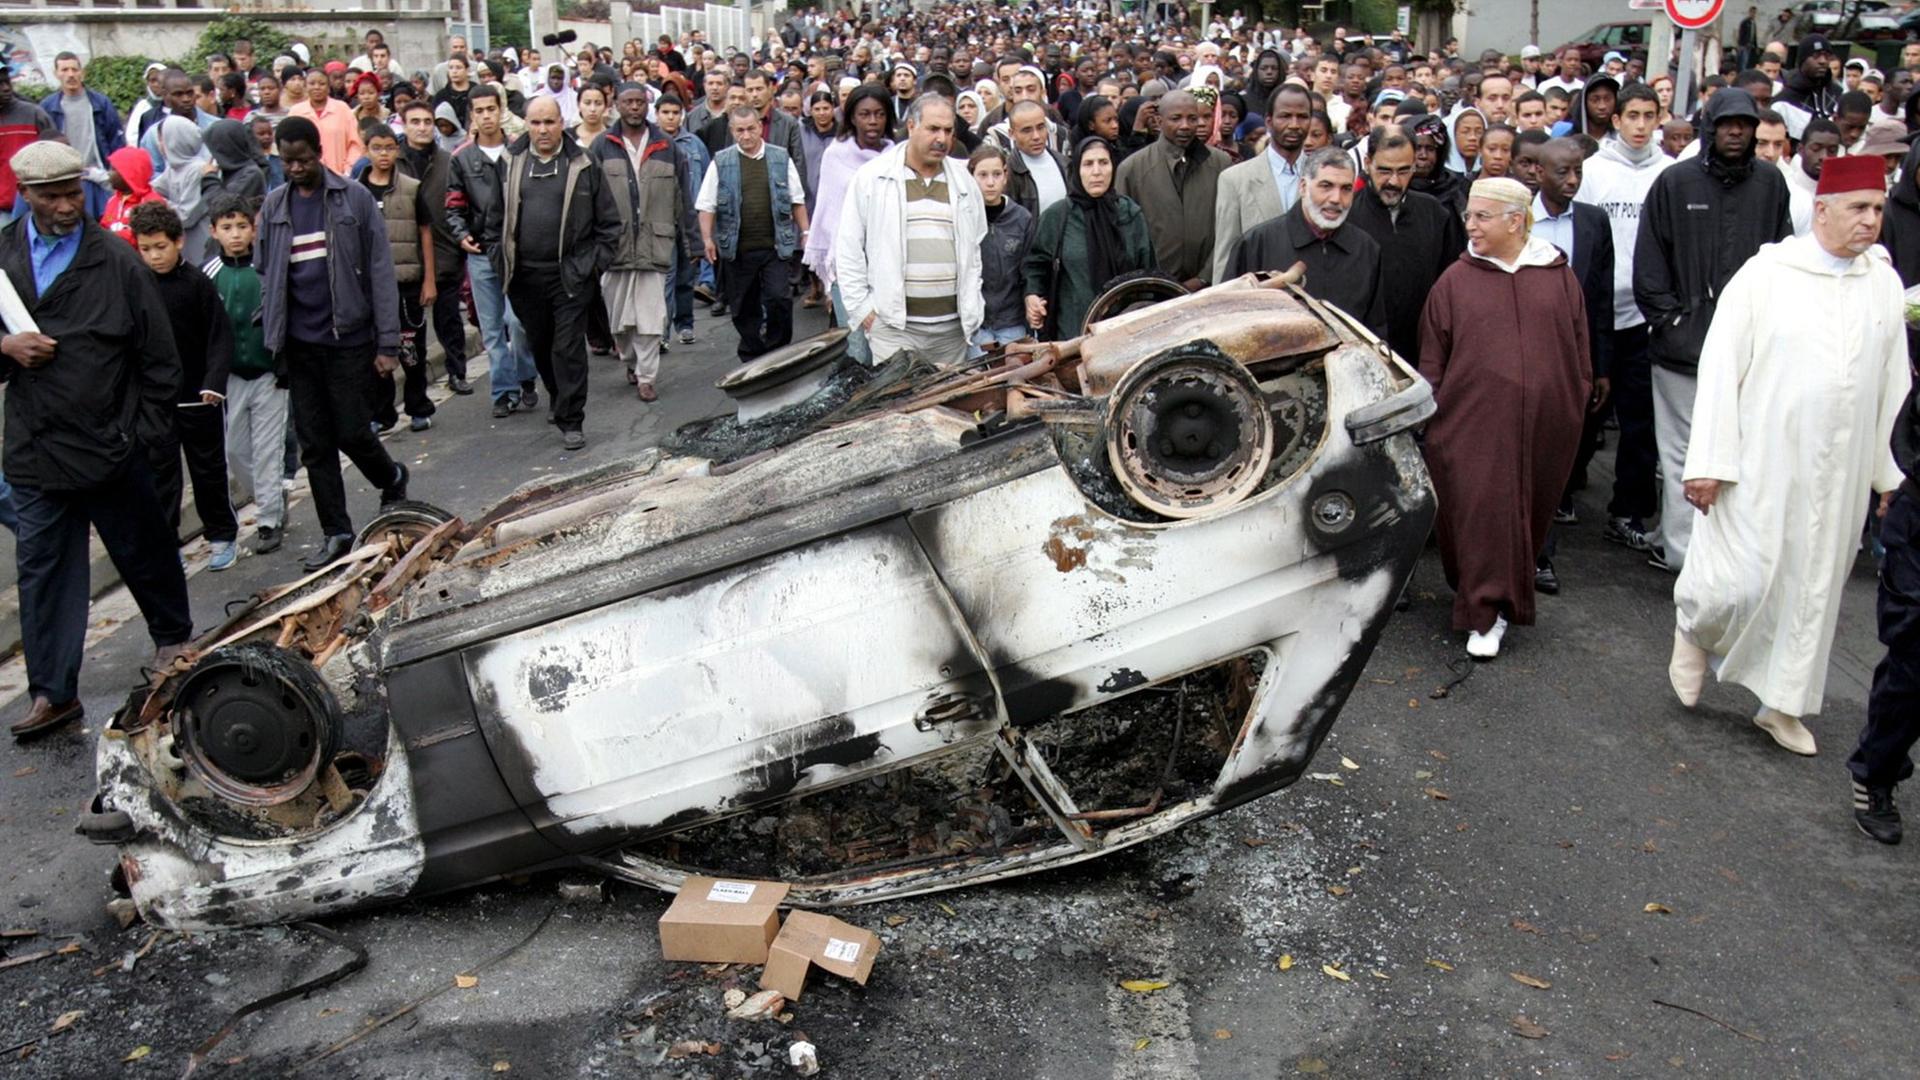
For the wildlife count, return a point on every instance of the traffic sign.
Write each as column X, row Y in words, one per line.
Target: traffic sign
column 1693, row 14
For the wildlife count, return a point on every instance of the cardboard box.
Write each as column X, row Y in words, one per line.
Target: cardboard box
column 810, row 939
column 722, row 920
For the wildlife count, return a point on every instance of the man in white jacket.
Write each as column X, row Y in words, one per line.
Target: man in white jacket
column 1617, row 181
column 907, row 252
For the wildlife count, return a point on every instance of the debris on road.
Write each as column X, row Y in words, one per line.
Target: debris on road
column 810, row 940
column 1528, row 1029
column 722, row 922
column 764, row 1005
column 803, row 1057
column 583, row 892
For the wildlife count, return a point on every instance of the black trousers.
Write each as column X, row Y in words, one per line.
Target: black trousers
column 557, row 333
column 52, row 560
column 759, row 285
column 327, row 390
column 414, row 373
column 200, row 432
column 1893, row 706
column 1635, row 492
column 599, row 326
column 449, row 325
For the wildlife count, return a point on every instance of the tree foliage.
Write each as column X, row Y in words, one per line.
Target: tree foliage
column 122, row 78
column 220, row 35
column 507, row 22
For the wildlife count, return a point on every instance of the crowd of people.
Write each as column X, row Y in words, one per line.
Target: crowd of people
column 1571, row 256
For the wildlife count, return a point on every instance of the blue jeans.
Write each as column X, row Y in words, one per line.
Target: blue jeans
column 680, row 291
column 857, row 346
column 506, row 340
column 984, row 337
column 9, row 514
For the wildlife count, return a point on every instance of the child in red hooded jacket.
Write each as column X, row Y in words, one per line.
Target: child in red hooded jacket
column 132, row 170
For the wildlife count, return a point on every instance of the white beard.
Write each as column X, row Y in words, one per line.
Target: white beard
column 1322, row 223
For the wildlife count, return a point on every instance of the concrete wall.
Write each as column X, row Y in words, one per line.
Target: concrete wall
column 29, row 37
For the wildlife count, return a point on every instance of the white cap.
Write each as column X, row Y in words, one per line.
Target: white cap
column 1529, row 52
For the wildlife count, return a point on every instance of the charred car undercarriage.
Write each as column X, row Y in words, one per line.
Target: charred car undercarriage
column 880, row 632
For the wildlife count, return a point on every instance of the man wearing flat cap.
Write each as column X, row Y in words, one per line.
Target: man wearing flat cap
column 1792, row 425
column 90, row 362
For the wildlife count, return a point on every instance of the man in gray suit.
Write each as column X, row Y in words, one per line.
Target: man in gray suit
column 1267, row 186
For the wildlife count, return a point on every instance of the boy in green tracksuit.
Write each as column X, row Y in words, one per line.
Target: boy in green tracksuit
column 256, row 398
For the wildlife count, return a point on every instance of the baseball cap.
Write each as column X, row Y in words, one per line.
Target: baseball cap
column 1529, row 52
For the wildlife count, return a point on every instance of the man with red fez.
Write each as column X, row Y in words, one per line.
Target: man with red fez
column 1791, row 431
column 1503, row 340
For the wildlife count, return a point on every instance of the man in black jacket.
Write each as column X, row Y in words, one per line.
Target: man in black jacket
column 474, row 217
column 1880, row 760
column 1703, row 219
column 330, row 311
column 1342, row 262
column 92, row 381
column 1585, row 236
column 560, row 233
column 1418, row 237
column 422, row 159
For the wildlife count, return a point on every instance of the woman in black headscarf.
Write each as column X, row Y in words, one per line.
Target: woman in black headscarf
column 1082, row 243
column 1430, row 173
column 1139, row 124
column 1268, row 72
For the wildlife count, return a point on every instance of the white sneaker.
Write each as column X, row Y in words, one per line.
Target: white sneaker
column 1687, row 670
column 1486, row 646
column 1786, row 730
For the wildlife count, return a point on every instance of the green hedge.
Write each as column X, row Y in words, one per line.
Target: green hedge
column 121, row 78
column 220, row 35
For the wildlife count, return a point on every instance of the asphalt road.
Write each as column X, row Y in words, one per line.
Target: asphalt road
column 1518, row 827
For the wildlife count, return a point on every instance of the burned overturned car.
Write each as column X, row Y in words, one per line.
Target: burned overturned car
column 880, row 632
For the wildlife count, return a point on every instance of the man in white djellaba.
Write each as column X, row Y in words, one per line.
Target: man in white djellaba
column 1802, row 375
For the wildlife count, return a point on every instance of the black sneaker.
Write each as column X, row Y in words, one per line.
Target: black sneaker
column 1629, row 533
column 459, row 385
column 397, row 491
column 1565, row 514
column 1874, row 812
column 718, row 309
column 529, row 400
column 330, row 549
column 267, row 539
column 1544, row 579
column 573, row 440
column 420, row 423
column 1657, row 558
column 503, row 407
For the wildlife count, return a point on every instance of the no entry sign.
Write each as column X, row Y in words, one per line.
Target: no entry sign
column 1693, row 14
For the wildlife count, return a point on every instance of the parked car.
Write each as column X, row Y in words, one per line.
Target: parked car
column 1625, row 37
column 1084, row 593
column 1826, row 16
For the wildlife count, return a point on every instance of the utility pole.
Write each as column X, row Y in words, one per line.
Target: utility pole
column 1533, row 22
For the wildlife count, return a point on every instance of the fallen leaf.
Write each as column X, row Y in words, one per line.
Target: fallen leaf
column 1462, row 827
column 1338, row 890
column 1527, row 1029
column 1677, row 1061
column 1140, row 1043
column 466, row 982
column 1286, row 961
column 1311, row 1066
column 137, row 1053
column 1621, row 1056
column 1650, row 847
column 1381, row 975
column 1255, row 841
column 1567, row 844
column 1330, row 970
column 331, row 1010
column 1144, row 986
column 1222, row 1033
column 1657, row 909
column 502, row 1066
column 19, row 932
column 1436, row 793
column 1528, row 980
column 733, row 998
column 948, row 910
column 1525, row 927
column 1441, row 964
column 1438, row 756
column 684, row 1049
column 1355, row 870
column 24, row 771
column 1423, row 774
column 68, row 949
column 66, row 1021
column 1413, row 703
column 896, row 920
column 1349, row 764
